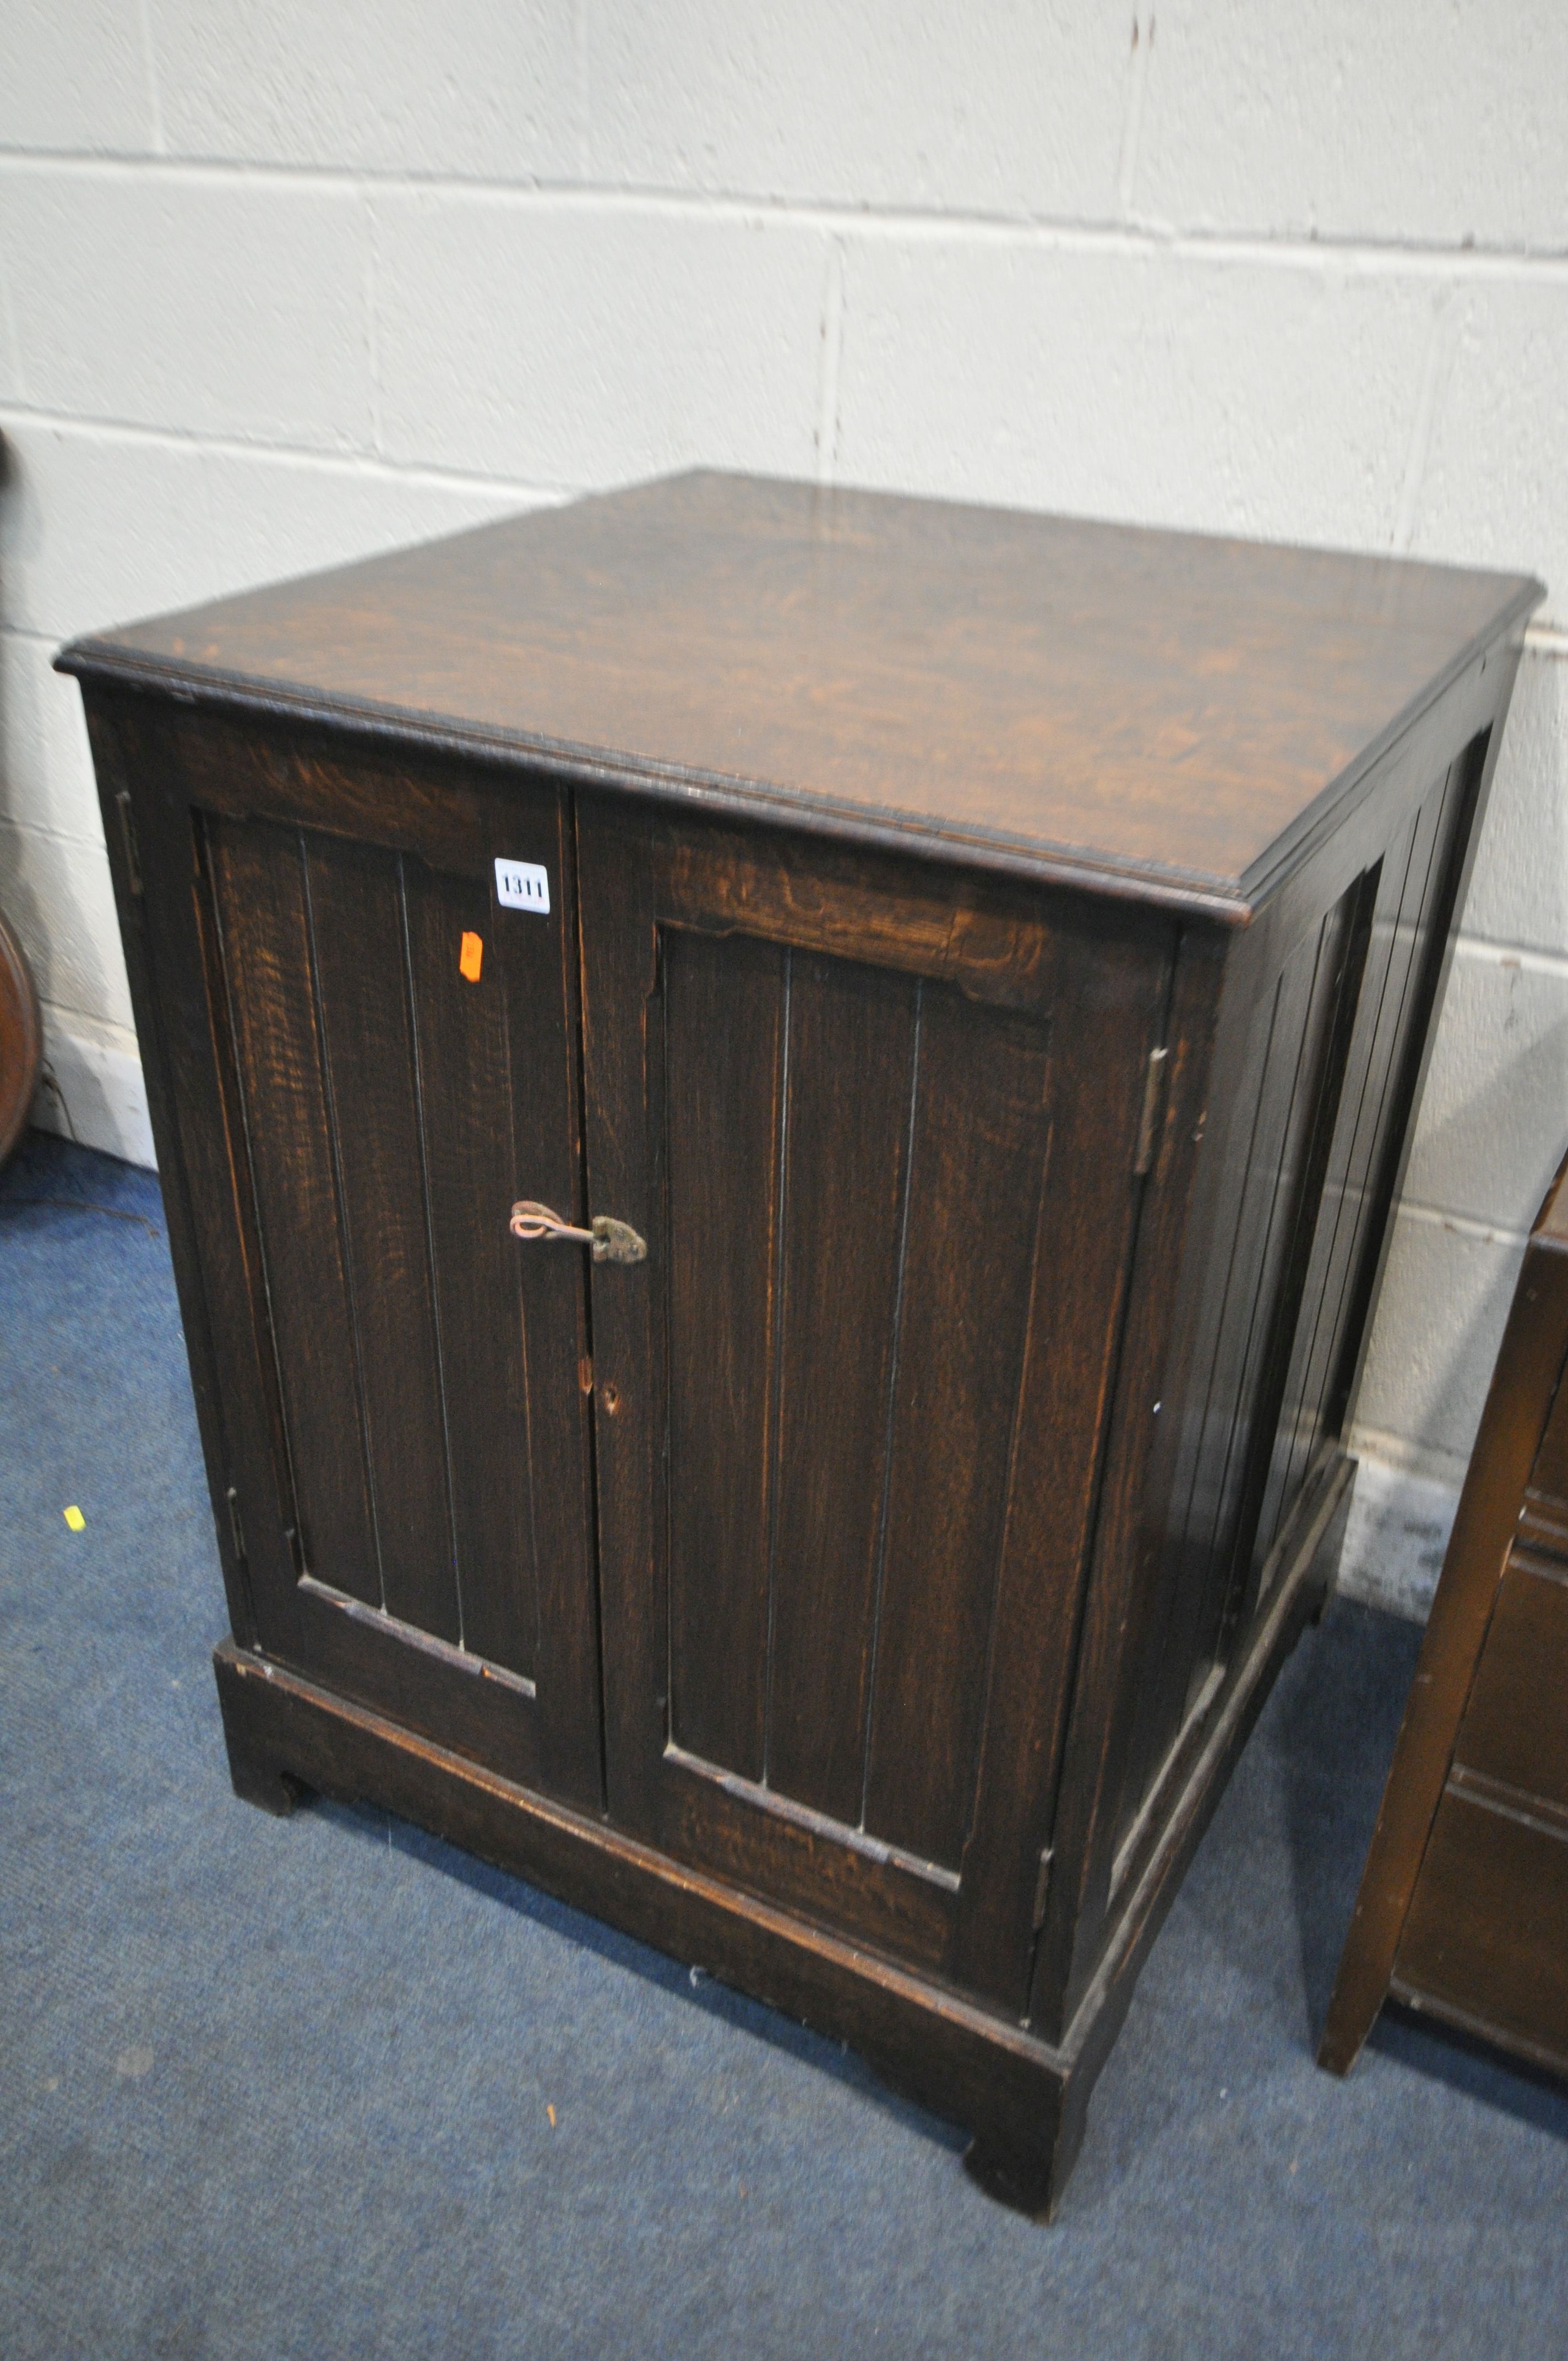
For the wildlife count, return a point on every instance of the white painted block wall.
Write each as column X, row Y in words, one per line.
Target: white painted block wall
column 283, row 281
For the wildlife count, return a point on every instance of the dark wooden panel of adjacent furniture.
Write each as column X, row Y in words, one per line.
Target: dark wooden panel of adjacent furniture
column 1464, row 1904
column 987, row 971
column 21, row 1040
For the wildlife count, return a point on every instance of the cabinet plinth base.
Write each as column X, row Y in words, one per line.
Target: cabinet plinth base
column 964, row 2062
column 1024, row 2099
column 256, row 1778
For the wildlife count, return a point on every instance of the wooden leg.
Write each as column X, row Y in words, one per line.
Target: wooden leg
column 258, row 1777
column 260, row 1782
column 1029, row 2180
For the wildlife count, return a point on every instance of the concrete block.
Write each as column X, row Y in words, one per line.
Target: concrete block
column 46, row 770
column 273, row 515
column 204, row 304
column 1152, row 387
column 1518, row 888
column 74, row 74
column 1491, row 492
column 1395, row 1538
column 98, row 527
column 56, row 895
column 1494, row 1117
column 1440, row 1321
column 11, row 386
column 91, row 1088
column 993, row 106
column 586, row 345
column 1401, row 121
column 470, row 88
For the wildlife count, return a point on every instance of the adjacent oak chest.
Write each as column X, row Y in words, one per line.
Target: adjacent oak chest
column 1463, row 1911
column 779, row 1111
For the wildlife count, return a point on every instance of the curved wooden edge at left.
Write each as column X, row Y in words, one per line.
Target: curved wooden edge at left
column 1505, row 1450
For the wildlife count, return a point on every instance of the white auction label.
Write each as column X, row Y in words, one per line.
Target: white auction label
column 522, row 885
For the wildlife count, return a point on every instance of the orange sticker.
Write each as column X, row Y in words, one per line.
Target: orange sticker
column 470, row 958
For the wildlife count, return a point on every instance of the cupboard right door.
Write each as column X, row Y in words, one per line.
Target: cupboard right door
column 878, row 1124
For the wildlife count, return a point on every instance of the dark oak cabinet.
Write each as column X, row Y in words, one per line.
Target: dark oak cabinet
column 980, row 966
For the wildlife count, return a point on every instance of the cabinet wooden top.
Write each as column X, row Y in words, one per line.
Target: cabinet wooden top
column 1165, row 713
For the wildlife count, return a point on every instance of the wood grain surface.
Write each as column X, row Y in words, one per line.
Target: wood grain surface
column 1169, row 711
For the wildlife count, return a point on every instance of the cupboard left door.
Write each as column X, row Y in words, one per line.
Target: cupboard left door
column 363, row 1059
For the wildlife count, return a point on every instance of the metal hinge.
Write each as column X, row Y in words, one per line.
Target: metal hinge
column 1154, row 1109
column 296, row 1546
column 235, row 1528
column 1041, row 1887
column 128, row 837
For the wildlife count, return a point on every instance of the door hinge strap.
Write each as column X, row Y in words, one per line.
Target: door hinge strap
column 1154, row 1110
column 1041, row 1887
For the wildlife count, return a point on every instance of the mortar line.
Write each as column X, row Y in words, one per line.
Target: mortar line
column 349, row 459
column 372, row 324
column 1133, row 113
column 1464, row 1225
column 832, row 346
column 1434, row 378
column 1289, row 247
column 8, row 324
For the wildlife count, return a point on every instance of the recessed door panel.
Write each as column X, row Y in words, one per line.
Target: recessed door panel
column 394, row 1052
column 810, row 1398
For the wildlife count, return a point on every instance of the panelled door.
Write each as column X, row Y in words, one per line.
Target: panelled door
column 879, row 1126
column 380, row 1054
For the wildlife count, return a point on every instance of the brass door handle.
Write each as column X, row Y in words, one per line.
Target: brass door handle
column 606, row 1239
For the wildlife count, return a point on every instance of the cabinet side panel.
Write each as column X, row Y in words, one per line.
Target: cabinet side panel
column 1287, row 1048
column 1323, row 1109
column 259, row 894
column 1458, row 796
column 1400, row 883
column 177, row 989
column 1388, row 992
column 1343, row 941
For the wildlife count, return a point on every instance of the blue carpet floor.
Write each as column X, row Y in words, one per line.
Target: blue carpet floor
column 273, row 2087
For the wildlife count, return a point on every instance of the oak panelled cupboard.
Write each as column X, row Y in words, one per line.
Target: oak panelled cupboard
column 779, row 1111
